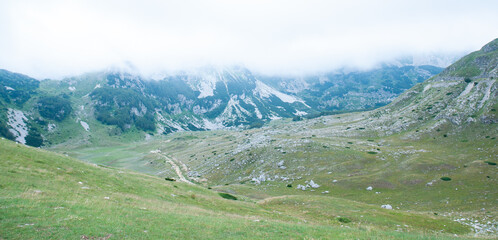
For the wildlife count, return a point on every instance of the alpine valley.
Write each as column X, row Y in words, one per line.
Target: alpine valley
column 116, row 102
column 401, row 151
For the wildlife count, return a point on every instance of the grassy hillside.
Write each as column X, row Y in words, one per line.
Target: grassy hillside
column 432, row 152
column 51, row 196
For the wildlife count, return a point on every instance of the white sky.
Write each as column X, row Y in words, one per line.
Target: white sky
column 60, row 38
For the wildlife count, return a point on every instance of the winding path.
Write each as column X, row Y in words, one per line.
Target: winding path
column 177, row 169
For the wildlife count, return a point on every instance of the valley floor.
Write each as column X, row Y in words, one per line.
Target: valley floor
column 311, row 174
column 47, row 196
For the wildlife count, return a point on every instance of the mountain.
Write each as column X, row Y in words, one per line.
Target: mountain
column 423, row 166
column 105, row 105
column 353, row 91
column 462, row 96
column 431, row 151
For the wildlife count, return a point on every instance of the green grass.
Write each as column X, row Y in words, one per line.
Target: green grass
column 51, row 196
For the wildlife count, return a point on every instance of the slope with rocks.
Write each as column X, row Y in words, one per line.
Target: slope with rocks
column 433, row 149
column 118, row 105
column 47, row 195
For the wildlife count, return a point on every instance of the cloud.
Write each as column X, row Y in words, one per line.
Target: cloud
column 60, row 38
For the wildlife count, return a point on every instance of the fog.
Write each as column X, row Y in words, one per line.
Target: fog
column 53, row 39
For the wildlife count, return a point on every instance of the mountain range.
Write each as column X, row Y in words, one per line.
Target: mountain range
column 421, row 167
column 116, row 102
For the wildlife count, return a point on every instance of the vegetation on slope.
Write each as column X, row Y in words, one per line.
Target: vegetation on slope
column 55, row 107
column 46, row 196
column 431, row 151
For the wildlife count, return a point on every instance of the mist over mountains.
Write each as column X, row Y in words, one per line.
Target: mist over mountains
column 282, row 119
column 121, row 100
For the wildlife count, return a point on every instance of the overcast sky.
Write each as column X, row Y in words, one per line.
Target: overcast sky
column 60, row 38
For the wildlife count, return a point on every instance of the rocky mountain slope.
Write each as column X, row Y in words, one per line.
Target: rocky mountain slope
column 424, row 165
column 105, row 105
column 433, row 149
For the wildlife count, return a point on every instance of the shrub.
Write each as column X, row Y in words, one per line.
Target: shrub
column 296, row 118
column 4, row 132
column 170, row 179
column 289, row 185
column 114, row 106
column 55, row 108
column 227, row 196
column 343, row 219
column 446, row 178
column 34, row 138
column 490, row 163
column 372, row 152
column 467, row 80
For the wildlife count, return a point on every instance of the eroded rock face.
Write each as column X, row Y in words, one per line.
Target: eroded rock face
column 17, row 121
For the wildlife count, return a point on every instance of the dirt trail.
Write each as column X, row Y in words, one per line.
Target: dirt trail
column 268, row 199
column 177, row 168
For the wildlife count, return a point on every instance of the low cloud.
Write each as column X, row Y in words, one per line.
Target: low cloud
column 60, row 38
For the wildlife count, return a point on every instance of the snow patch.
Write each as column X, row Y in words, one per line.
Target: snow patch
column 207, row 86
column 266, row 91
column 300, row 113
column 72, row 89
column 258, row 113
column 9, row 88
column 256, row 110
column 274, row 117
